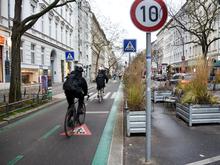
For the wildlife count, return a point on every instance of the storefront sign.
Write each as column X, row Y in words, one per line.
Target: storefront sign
column 2, row 40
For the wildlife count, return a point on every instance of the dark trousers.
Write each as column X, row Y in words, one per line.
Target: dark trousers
column 70, row 99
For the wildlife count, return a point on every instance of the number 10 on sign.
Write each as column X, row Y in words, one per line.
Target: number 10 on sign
column 149, row 15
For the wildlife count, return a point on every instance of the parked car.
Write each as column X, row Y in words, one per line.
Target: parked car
column 181, row 78
column 160, row 77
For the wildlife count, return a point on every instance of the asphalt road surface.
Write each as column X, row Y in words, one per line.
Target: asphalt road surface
column 37, row 139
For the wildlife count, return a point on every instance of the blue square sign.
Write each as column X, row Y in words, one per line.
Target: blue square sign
column 69, row 55
column 129, row 45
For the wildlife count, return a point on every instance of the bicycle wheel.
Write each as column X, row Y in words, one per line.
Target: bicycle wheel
column 70, row 121
column 82, row 117
column 100, row 96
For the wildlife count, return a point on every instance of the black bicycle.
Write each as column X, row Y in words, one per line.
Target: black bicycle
column 100, row 95
column 73, row 118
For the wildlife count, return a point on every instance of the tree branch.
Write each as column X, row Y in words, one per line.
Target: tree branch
column 41, row 13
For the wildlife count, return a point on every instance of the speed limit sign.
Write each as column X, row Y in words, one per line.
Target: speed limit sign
column 149, row 15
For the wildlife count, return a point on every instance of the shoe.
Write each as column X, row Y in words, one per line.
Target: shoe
column 97, row 96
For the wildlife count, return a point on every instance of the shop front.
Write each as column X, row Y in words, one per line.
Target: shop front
column 2, row 42
column 30, row 76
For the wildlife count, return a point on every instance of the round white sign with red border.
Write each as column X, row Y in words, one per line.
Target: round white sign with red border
column 149, row 15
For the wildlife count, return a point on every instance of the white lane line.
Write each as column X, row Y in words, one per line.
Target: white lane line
column 97, row 112
column 205, row 161
column 93, row 96
column 113, row 95
column 106, row 96
column 90, row 94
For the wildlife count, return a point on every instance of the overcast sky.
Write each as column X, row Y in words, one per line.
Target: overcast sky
column 118, row 11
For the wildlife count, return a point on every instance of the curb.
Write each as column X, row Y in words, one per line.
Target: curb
column 117, row 145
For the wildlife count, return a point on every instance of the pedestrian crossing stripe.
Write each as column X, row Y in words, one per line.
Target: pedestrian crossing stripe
column 81, row 130
column 105, row 96
column 130, row 47
column 113, row 95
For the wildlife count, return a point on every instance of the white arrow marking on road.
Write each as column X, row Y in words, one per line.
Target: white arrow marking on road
column 93, row 96
column 106, row 96
column 90, row 94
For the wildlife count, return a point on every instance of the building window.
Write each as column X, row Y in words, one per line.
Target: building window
column 66, row 37
column 32, row 9
column 56, row 30
column 70, row 39
column 32, row 53
column 61, row 11
column 0, row 7
column 21, row 51
column 70, row 15
column 42, row 55
column 214, row 45
column 62, row 34
column 42, row 24
column 66, row 14
column 50, row 22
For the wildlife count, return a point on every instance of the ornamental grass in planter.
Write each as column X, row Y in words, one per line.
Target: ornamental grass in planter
column 196, row 92
column 134, row 90
column 134, row 84
column 197, row 104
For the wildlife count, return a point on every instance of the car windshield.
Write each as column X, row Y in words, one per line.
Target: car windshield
column 188, row 77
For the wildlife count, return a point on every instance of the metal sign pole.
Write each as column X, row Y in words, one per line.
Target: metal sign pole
column 148, row 97
column 129, row 59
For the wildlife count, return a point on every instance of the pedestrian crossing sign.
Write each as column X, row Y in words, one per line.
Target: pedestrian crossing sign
column 69, row 55
column 129, row 45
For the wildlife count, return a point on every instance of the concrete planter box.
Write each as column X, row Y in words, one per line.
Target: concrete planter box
column 160, row 95
column 136, row 122
column 195, row 114
column 211, row 85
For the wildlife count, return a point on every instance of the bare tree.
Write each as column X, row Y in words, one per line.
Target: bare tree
column 107, row 37
column 113, row 61
column 99, row 41
column 18, row 29
column 197, row 18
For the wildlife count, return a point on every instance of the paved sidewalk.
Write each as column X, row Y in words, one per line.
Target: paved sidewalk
column 173, row 142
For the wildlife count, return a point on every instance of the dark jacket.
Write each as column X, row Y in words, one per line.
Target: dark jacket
column 82, row 81
column 101, row 79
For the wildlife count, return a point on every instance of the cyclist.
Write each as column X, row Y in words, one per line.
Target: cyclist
column 80, row 92
column 101, row 78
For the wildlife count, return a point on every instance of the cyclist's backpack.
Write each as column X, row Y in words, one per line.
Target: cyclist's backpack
column 100, row 80
column 72, row 84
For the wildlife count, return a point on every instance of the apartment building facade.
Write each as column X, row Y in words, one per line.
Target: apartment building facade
column 176, row 49
column 43, row 46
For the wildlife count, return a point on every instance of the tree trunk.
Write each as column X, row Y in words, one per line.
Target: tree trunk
column 15, row 82
column 205, row 51
column 97, row 63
